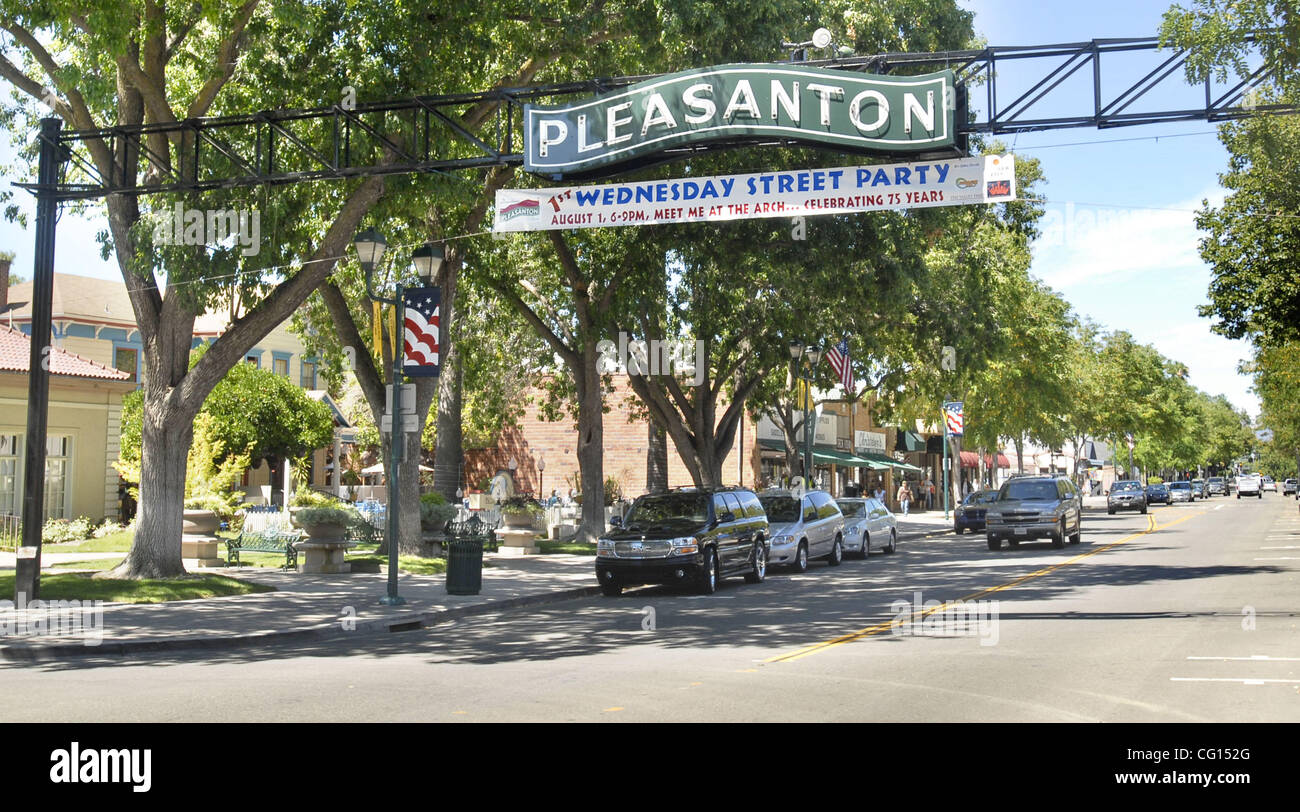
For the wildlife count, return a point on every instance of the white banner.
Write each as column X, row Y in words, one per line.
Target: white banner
column 797, row 193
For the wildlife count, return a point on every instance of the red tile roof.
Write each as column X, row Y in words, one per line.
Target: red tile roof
column 16, row 353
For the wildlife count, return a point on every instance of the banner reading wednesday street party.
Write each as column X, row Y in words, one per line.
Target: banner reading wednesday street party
column 803, row 192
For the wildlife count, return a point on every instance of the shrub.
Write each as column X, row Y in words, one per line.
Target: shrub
column 432, row 498
column 520, row 504
column 613, row 491
column 433, row 516
column 62, row 531
column 326, row 515
column 108, row 528
column 306, row 497
column 224, row 505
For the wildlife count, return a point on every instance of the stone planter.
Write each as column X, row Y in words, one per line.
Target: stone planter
column 522, row 520
column 201, row 523
column 325, row 531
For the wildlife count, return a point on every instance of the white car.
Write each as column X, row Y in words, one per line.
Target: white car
column 865, row 519
column 1250, row 485
column 802, row 527
column 1270, row 484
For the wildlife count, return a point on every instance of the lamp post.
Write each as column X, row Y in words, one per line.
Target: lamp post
column 541, row 478
column 427, row 259
column 813, row 355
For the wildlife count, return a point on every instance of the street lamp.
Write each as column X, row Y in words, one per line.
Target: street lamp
column 813, row 354
column 427, row 259
column 541, row 477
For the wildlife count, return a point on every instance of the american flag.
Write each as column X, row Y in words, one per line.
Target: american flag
column 839, row 358
column 420, row 325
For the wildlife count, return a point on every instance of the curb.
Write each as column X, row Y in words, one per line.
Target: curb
column 324, row 631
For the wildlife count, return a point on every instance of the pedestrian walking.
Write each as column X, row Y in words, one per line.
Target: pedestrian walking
column 929, row 494
column 904, row 496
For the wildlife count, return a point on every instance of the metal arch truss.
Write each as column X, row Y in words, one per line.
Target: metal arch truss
column 425, row 134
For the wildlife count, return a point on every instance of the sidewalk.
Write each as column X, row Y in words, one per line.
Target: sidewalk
column 311, row 607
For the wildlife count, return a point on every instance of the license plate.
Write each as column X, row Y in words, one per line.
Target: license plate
column 1021, row 532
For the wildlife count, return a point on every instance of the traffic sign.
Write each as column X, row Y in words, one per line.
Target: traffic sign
column 409, row 423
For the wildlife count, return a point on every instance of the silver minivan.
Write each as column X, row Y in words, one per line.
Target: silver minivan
column 803, row 526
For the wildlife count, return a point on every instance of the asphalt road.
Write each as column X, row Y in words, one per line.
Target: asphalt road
column 1187, row 614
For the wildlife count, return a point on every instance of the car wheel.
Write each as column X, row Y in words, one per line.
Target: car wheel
column 1078, row 531
column 1058, row 537
column 709, row 581
column 757, row 568
column 994, row 543
column 801, row 557
column 837, row 552
column 611, row 589
column 958, row 529
column 893, row 541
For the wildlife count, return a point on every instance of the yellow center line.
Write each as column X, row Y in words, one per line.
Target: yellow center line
column 1152, row 526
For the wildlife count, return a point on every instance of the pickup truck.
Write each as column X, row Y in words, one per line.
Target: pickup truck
column 1250, row 485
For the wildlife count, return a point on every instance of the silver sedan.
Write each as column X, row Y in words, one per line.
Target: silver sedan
column 868, row 521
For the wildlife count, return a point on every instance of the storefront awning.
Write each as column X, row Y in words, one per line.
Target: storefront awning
column 882, row 460
column 909, row 441
column 827, row 456
column 969, row 459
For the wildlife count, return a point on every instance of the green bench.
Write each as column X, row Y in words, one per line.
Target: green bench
column 473, row 529
column 266, row 541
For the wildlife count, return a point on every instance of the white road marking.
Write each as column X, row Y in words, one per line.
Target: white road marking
column 1255, row 658
column 1220, row 507
column 1237, row 680
column 1288, row 547
column 1279, row 558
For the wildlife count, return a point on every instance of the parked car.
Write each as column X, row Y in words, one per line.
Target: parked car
column 1289, row 485
column 969, row 515
column 803, row 528
column 1250, row 485
column 865, row 519
column 1181, row 492
column 1216, row 485
column 1198, row 489
column 1126, row 495
column 1158, row 492
column 1035, row 507
column 1269, row 484
column 686, row 536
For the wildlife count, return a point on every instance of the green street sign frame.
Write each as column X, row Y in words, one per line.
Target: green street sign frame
column 849, row 112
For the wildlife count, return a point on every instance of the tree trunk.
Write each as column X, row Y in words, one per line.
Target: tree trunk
column 156, row 549
column 1020, row 454
column 656, row 460
column 449, row 450
column 591, row 444
column 408, row 540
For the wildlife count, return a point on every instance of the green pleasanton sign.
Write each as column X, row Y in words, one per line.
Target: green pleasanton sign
column 836, row 108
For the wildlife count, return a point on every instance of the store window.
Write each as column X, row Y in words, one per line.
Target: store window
column 10, row 488
column 58, row 470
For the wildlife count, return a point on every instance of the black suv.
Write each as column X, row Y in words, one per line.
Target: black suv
column 688, row 536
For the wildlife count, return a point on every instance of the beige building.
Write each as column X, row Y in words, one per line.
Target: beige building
column 83, row 429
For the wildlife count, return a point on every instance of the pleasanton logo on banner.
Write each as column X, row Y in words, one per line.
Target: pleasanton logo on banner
column 802, row 192
column 848, row 111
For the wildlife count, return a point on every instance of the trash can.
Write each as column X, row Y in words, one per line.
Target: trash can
column 464, row 567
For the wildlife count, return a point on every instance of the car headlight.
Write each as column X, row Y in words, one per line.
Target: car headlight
column 782, row 539
column 604, row 547
column 685, row 545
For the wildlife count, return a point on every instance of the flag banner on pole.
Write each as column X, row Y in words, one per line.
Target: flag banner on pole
column 838, row 356
column 420, row 333
column 953, row 420
column 795, row 193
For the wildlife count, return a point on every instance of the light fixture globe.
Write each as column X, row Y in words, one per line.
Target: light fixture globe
column 821, row 38
column 427, row 260
column 814, row 354
column 796, row 350
column 370, row 246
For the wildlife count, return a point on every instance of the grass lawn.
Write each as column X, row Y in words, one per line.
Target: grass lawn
column 413, row 564
column 119, row 542
column 81, row 586
column 567, row 547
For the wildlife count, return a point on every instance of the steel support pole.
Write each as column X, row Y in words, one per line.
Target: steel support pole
column 397, row 445
column 27, row 575
column 807, row 435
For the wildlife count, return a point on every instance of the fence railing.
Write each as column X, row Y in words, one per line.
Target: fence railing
column 11, row 532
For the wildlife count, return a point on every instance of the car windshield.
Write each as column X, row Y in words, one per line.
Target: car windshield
column 1159, row 486
column 1029, row 490
column 668, row 509
column 851, row 509
column 1180, row 486
column 980, row 497
column 781, row 508
column 1127, row 486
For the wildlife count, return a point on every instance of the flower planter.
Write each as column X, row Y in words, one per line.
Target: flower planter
column 325, row 531
column 201, row 523
column 517, row 519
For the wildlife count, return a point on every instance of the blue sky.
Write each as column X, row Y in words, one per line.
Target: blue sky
column 1119, row 237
